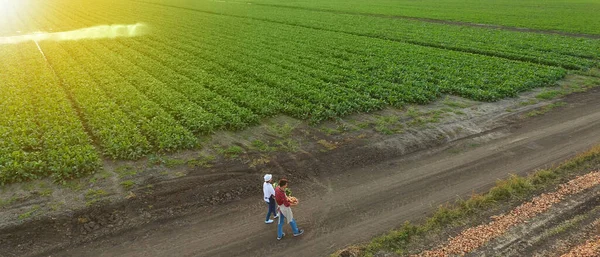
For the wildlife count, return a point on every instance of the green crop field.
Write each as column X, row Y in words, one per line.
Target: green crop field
column 70, row 98
column 576, row 16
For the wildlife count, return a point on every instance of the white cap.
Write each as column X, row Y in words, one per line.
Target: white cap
column 268, row 177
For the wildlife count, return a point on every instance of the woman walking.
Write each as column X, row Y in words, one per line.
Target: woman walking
column 269, row 197
column 285, row 210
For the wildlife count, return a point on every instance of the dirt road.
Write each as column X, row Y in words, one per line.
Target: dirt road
column 336, row 210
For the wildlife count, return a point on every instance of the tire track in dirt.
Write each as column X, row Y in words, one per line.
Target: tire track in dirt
column 360, row 203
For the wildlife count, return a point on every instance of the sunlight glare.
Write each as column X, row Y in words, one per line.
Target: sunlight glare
column 8, row 6
column 9, row 11
column 96, row 32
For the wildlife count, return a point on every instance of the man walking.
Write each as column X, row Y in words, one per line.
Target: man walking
column 285, row 210
column 269, row 197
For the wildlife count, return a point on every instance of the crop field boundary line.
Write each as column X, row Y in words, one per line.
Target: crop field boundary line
column 411, row 42
column 439, row 21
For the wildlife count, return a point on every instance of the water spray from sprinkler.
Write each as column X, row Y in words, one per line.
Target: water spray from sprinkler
column 96, row 32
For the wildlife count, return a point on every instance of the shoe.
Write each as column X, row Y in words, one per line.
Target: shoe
column 282, row 235
column 268, row 221
column 276, row 216
column 300, row 232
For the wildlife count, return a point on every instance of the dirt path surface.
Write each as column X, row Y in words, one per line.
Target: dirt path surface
column 353, row 206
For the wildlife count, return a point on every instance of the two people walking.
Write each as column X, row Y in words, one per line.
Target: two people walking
column 284, row 206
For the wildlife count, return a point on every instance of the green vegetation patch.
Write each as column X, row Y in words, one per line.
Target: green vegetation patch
column 229, row 66
column 545, row 109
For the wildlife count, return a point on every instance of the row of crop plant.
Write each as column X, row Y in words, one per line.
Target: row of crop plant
column 548, row 49
column 41, row 132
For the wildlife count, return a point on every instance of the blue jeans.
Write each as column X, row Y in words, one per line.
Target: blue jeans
column 272, row 208
column 280, row 226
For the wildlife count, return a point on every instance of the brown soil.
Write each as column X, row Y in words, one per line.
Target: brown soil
column 355, row 187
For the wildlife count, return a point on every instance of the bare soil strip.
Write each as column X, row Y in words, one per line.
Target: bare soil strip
column 472, row 238
column 351, row 205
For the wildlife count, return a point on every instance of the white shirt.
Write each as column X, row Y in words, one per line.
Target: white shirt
column 268, row 190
